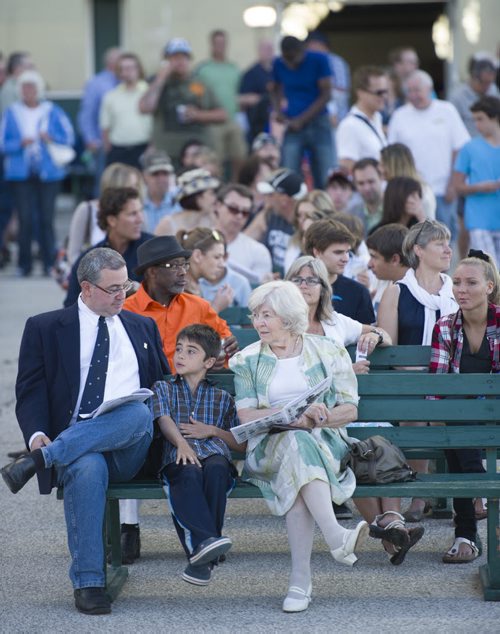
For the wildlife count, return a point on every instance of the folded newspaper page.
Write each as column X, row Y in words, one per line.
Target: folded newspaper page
column 142, row 394
column 287, row 415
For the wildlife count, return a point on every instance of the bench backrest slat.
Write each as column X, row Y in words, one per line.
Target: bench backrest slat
column 434, row 437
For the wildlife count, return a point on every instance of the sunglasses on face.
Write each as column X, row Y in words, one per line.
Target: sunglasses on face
column 175, row 266
column 378, row 93
column 236, row 211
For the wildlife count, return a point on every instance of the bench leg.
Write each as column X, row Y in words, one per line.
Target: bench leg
column 490, row 572
column 116, row 574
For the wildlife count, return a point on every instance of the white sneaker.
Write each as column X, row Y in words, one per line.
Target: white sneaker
column 292, row 604
column 353, row 539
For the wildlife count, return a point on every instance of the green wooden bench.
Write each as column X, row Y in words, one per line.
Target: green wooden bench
column 392, row 396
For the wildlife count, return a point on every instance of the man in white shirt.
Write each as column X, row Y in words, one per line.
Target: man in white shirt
column 360, row 135
column 245, row 255
column 71, row 361
column 434, row 132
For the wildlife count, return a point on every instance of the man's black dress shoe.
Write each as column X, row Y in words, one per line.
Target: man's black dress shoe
column 17, row 454
column 131, row 543
column 17, row 473
column 92, row 601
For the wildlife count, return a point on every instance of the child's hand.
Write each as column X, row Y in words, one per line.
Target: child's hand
column 195, row 429
column 186, row 454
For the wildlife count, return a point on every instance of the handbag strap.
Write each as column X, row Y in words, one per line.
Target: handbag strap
column 383, row 142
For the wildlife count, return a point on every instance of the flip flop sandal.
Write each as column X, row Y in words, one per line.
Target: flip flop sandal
column 453, row 556
column 415, row 535
column 395, row 532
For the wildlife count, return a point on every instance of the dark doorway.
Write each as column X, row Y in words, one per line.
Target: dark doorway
column 364, row 34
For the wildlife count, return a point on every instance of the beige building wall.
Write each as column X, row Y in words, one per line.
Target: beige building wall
column 55, row 32
column 59, row 35
column 489, row 31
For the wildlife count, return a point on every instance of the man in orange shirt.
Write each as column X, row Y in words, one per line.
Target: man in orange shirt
column 164, row 264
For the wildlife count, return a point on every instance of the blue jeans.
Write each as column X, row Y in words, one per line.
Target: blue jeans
column 34, row 195
column 88, row 455
column 316, row 138
column 447, row 214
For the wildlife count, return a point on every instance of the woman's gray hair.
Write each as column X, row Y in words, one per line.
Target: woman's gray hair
column 93, row 262
column 31, row 77
column 324, row 311
column 421, row 234
column 285, row 299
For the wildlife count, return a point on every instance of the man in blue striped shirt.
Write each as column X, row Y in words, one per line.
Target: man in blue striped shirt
column 195, row 418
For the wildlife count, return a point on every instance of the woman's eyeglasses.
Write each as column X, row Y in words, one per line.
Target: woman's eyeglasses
column 308, row 281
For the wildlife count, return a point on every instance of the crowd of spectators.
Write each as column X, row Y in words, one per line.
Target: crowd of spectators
column 210, row 182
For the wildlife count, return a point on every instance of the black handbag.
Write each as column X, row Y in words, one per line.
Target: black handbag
column 377, row 460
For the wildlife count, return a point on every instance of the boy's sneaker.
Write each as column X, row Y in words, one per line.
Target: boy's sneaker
column 197, row 575
column 210, row 549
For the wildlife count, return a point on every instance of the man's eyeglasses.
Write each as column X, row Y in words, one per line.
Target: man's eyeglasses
column 236, row 211
column 308, row 281
column 115, row 290
column 378, row 93
column 175, row 266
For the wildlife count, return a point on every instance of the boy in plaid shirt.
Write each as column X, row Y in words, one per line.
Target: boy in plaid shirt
column 195, row 418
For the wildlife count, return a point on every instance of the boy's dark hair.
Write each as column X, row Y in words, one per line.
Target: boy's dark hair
column 355, row 226
column 204, row 336
column 388, row 241
column 322, row 233
column 112, row 201
column 364, row 163
column 489, row 105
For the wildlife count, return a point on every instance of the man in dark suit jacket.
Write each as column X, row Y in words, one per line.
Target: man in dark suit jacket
column 57, row 362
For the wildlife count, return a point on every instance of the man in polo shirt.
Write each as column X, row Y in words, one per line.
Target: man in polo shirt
column 304, row 78
column 360, row 134
column 183, row 107
column 164, row 264
column 331, row 242
column 159, row 201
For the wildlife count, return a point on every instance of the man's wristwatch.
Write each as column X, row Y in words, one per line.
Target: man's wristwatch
column 380, row 335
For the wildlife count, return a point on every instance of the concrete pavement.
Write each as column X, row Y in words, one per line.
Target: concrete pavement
column 422, row 595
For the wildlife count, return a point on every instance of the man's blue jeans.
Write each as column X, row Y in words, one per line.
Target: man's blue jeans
column 316, row 138
column 88, row 455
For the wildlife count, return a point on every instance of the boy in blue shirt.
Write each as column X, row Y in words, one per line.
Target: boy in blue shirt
column 195, row 418
column 477, row 177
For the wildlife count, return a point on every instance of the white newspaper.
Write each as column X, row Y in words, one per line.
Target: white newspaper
column 287, row 415
column 142, row 394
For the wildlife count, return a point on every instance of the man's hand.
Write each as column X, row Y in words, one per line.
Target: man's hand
column 196, row 429
column 296, row 124
column 186, row 455
column 230, row 346
column 39, row 442
column 450, row 193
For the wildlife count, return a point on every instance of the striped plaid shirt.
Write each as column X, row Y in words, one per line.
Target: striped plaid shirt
column 448, row 329
column 209, row 405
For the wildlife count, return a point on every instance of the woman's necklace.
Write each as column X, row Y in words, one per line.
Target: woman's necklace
column 288, row 354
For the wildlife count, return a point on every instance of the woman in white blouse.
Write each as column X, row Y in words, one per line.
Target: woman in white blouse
column 311, row 277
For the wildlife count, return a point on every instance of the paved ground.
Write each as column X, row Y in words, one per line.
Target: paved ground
column 423, row 595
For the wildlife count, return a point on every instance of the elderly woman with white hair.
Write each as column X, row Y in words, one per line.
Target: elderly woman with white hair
column 298, row 470
column 29, row 127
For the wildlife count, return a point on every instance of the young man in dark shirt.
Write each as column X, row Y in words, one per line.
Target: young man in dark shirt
column 331, row 242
